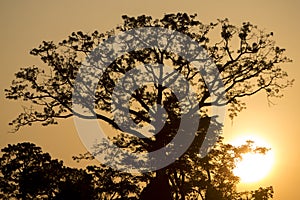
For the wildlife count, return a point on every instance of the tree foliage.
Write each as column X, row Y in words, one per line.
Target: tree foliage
column 247, row 58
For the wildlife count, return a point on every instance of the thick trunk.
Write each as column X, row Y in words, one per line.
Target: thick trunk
column 158, row 188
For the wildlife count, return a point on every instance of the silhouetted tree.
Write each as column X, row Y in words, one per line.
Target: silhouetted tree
column 27, row 173
column 247, row 58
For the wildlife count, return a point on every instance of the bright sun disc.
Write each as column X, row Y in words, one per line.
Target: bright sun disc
column 254, row 166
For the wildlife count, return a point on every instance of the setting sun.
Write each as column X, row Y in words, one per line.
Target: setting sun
column 254, row 166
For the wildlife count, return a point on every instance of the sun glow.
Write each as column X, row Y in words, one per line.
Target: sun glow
column 254, row 166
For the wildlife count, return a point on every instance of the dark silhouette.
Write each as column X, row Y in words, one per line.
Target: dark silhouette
column 28, row 173
column 246, row 57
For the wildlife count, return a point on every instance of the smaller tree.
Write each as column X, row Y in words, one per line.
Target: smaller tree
column 28, row 173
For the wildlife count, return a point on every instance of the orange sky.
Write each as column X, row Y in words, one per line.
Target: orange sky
column 24, row 24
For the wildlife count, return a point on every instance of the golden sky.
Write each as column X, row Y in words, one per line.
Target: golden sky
column 24, row 24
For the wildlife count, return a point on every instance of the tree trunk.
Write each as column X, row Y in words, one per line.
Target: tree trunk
column 158, row 188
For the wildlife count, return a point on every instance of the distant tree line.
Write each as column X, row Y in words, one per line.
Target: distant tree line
column 26, row 172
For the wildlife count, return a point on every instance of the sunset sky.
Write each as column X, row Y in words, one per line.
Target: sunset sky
column 25, row 24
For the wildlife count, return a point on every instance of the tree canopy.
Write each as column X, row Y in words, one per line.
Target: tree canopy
column 247, row 59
